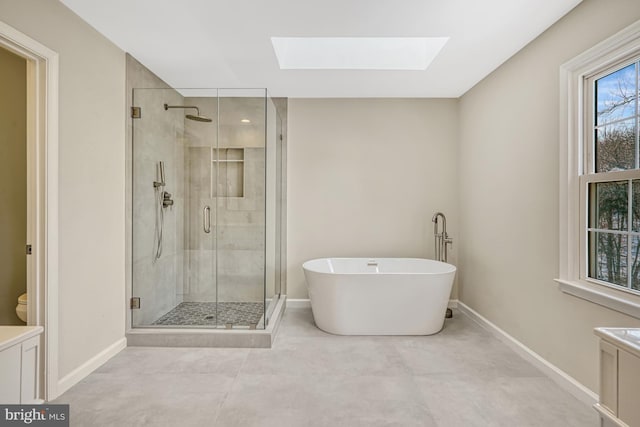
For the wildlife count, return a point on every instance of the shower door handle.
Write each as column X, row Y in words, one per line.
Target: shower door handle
column 206, row 219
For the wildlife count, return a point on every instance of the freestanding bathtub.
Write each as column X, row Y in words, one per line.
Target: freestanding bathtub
column 379, row 296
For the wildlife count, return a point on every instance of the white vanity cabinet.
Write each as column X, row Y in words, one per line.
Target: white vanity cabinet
column 619, row 377
column 19, row 364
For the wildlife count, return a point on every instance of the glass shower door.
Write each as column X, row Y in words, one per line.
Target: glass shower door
column 200, row 139
column 206, row 200
column 239, row 163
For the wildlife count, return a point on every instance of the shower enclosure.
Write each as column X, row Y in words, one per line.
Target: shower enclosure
column 207, row 173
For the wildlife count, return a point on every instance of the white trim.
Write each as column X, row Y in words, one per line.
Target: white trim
column 43, row 71
column 572, row 207
column 605, row 414
column 298, row 303
column 78, row 374
column 622, row 302
column 306, row 303
column 557, row 375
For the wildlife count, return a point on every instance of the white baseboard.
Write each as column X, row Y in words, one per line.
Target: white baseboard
column 298, row 303
column 306, row 303
column 564, row 380
column 78, row 374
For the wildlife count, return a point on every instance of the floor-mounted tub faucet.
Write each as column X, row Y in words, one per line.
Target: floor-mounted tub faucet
column 441, row 238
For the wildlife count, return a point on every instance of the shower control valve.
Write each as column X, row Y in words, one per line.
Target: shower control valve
column 166, row 199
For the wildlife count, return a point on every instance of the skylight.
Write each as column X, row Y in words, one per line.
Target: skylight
column 356, row 53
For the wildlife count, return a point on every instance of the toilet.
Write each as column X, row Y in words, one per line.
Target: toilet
column 21, row 308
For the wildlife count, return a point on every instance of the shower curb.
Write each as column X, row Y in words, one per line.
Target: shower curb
column 214, row 338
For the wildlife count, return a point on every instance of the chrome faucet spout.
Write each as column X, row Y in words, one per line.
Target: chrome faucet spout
column 434, row 219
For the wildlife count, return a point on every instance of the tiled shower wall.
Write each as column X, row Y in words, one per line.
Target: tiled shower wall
column 187, row 270
column 157, row 136
column 236, row 222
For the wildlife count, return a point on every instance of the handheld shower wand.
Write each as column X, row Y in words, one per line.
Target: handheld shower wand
column 162, row 173
column 163, row 200
column 162, row 182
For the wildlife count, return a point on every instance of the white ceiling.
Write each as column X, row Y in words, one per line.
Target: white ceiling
column 216, row 43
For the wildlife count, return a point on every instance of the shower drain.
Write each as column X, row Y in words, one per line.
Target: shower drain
column 208, row 314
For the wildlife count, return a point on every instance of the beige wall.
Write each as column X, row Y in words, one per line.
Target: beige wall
column 509, row 195
column 13, row 184
column 91, row 177
column 365, row 176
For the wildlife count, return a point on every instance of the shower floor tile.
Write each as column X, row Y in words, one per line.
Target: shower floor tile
column 204, row 314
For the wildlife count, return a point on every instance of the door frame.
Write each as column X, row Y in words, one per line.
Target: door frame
column 42, row 196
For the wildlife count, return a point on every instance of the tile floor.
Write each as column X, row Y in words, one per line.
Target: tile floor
column 211, row 314
column 459, row 377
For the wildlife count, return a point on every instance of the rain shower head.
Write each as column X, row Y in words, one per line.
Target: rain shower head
column 197, row 117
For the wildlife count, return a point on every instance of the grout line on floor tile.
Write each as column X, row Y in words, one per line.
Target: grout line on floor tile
column 233, row 383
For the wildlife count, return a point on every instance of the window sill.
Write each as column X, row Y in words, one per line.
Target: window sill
column 619, row 301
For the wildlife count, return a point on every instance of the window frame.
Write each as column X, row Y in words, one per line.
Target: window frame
column 576, row 145
column 586, row 179
column 589, row 175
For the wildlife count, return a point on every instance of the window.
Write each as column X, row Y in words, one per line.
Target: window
column 600, row 174
column 610, row 181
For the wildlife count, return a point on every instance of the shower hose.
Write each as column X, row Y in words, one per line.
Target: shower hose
column 159, row 222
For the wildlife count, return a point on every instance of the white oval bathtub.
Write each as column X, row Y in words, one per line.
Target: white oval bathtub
column 379, row 296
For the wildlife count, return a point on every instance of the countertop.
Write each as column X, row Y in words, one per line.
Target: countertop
column 12, row 335
column 625, row 338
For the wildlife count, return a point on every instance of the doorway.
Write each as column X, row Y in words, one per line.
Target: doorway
column 13, row 187
column 40, row 194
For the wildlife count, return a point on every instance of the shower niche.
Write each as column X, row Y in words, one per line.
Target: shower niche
column 222, row 156
column 228, row 165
